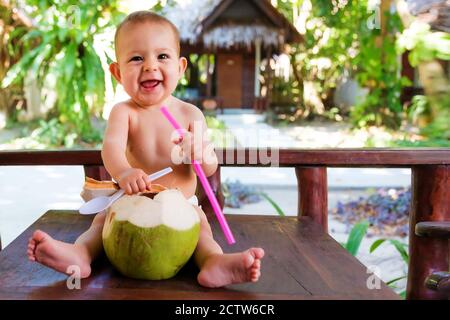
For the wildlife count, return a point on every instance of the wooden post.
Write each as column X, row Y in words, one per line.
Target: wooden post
column 313, row 194
column 430, row 202
column 96, row 172
column 257, row 89
column 208, row 77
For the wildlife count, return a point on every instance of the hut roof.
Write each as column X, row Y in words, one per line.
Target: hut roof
column 227, row 23
column 434, row 12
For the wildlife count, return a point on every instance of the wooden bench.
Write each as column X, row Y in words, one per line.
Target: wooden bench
column 302, row 261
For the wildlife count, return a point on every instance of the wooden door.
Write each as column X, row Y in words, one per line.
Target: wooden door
column 229, row 79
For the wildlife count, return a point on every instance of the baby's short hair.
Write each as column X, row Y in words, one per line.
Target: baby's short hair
column 147, row 16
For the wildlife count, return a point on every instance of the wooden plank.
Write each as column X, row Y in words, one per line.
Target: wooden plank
column 53, row 157
column 333, row 157
column 301, row 262
column 258, row 157
column 299, row 252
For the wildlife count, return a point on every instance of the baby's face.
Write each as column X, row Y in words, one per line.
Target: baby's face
column 148, row 62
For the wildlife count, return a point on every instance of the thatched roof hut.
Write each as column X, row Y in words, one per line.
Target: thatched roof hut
column 239, row 33
column 434, row 12
column 227, row 24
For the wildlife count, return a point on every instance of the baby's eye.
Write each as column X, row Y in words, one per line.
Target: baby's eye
column 136, row 58
column 163, row 56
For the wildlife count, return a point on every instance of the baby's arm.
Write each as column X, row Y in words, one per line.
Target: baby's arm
column 130, row 179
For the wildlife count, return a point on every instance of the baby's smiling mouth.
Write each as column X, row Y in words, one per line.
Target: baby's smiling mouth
column 147, row 84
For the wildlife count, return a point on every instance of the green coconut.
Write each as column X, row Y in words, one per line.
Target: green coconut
column 151, row 239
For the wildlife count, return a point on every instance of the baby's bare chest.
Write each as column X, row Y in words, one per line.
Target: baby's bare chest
column 150, row 142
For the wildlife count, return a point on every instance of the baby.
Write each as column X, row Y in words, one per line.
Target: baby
column 139, row 141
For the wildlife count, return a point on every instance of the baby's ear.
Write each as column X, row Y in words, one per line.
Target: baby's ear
column 115, row 71
column 182, row 65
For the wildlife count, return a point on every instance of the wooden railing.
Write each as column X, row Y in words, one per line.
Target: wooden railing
column 430, row 181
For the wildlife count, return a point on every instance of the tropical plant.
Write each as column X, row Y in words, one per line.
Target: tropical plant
column 425, row 47
column 275, row 205
column 423, row 44
column 236, row 194
column 61, row 53
column 11, row 98
column 344, row 38
column 402, row 249
column 218, row 133
column 357, row 234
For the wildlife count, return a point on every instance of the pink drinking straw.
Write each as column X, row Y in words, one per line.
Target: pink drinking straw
column 206, row 186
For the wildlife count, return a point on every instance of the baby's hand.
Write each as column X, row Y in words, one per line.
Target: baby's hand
column 134, row 181
column 190, row 150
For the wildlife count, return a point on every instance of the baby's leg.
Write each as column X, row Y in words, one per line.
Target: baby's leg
column 218, row 269
column 60, row 255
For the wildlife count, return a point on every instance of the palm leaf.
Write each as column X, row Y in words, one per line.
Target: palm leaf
column 397, row 244
column 401, row 249
column 17, row 71
column 390, row 282
column 376, row 244
column 355, row 238
column 273, row 203
column 70, row 60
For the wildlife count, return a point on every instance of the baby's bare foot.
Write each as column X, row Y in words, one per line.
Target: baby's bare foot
column 224, row 269
column 57, row 255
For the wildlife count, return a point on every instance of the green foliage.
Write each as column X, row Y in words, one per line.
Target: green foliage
column 423, row 44
column 344, row 37
column 277, row 208
column 356, row 236
column 62, row 56
column 377, row 69
column 323, row 56
column 55, row 134
column 218, row 133
column 236, row 194
column 419, row 108
column 214, row 123
column 402, row 250
column 400, row 246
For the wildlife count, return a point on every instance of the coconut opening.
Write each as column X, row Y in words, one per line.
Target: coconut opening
column 169, row 207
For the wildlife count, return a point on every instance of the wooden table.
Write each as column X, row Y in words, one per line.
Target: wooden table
column 301, row 262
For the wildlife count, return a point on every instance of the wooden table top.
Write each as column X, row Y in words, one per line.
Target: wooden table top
column 301, row 262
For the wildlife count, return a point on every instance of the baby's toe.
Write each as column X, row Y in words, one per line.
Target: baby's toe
column 255, row 277
column 249, row 260
column 254, row 273
column 31, row 256
column 257, row 253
